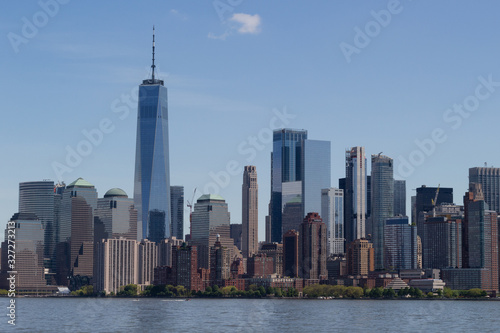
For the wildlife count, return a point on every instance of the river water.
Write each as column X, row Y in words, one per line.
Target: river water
column 249, row 315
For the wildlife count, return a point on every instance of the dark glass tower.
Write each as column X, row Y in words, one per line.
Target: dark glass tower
column 300, row 169
column 152, row 168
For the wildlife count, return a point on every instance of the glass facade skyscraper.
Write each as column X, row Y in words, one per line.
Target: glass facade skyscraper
column 177, row 211
column 152, row 167
column 355, row 194
column 489, row 178
column 300, row 169
column 382, row 202
column 38, row 197
column 332, row 211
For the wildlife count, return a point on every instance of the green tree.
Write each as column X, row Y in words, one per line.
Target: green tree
column 354, row 292
column 389, row 293
column 376, row 292
column 262, row 291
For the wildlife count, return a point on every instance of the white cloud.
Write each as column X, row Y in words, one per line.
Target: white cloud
column 250, row 24
column 175, row 12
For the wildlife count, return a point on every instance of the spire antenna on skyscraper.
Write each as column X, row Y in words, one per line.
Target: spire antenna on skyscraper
column 153, row 65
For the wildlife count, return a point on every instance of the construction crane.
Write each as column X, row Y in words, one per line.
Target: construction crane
column 190, row 205
column 434, row 202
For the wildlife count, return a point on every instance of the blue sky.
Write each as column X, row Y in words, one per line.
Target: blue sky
column 230, row 67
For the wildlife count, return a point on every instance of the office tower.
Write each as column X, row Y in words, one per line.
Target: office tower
column 483, row 242
column 249, row 218
column 210, row 218
column 291, row 254
column 443, row 246
column 475, row 193
column 414, row 209
column 424, row 203
column 382, row 202
column 400, row 242
column 177, row 211
column 355, row 194
column 117, row 264
column 236, row 234
column 360, row 257
column 152, row 169
column 399, row 197
column 76, row 228
column 300, row 168
column 332, row 211
column 220, row 263
column 313, row 247
column 274, row 251
column 116, row 211
column 26, row 242
column 148, row 260
column 37, row 197
column 489, row 178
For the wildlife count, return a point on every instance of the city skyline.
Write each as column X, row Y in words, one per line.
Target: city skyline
column 93, row 74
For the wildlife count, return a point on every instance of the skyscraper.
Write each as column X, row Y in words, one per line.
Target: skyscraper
column 360, row 257
column 424, row 203
column 300, row 169
column 313, row 248
column 332, row 211
column 382, row 202
column 489, row 178
column 37, row 197
column 355, row 194
column 399, row 197
column 177, row 213
column 443, row 246
column 79, row 200
column 152, row 168
column 27, row 244
column 116, row 211
column 291, row 253
column 210, row 219
column 400, row 244
column 249, row 218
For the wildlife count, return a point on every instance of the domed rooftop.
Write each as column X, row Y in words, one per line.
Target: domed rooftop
column 116, row 192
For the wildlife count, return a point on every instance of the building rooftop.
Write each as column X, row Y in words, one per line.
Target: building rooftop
column 205, row 197
column 80, row 182
column 116, row 192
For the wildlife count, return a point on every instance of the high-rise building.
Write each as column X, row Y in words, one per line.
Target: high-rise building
column 177, row 211
column 148, row 260
column 76, row 228
column 116, row 211
column 489, row 178
column 425, row 203
column 37, row 197
column 26, row 235
column 236, row 234
column 249, row 218
column 355, row 194
column 291, row 254
column 483, row 242
column 220, row 263
column 152, row 166
column 382, row 202
column 210, row 218
column 399, row 197
column 360, row 257
column 313, row 247
column 300, row 169
column 443, row 246
column 117, row 264
column 400, row 243
column 332, row 211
